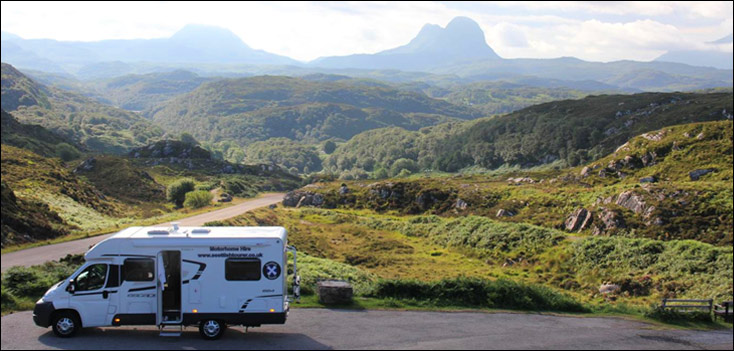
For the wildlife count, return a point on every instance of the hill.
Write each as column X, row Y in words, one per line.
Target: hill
column 258, row 108
column 96, row 126
column 571, row 132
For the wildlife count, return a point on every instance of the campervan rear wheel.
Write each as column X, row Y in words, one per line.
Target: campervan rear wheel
column 65, row 324
column 211, row 329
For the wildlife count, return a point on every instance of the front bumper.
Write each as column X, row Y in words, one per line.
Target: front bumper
column 42, row 314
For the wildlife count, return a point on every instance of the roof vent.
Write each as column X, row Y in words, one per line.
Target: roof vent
column 157, row 232
column 201, row 231
column 175, row 226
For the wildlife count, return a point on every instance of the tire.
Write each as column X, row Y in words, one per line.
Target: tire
column 65, row 324
column 212, row 329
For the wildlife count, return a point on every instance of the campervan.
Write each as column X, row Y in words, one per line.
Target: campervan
column 173, row 277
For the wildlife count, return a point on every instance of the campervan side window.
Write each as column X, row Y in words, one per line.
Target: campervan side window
column 92, row 278
column 138, row 270
column 242, row 269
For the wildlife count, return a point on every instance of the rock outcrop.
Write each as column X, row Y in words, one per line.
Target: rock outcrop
column 303, row 198
column 579, row 220
column 608, row 220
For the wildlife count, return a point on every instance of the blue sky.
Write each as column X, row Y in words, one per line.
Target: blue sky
column 596, row 31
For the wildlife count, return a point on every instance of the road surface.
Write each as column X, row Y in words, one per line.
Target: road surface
column 38, row 255
column 341, row 329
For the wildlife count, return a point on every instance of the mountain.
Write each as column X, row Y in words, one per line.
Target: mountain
column 461, row 41
column 192, row 44
column 706, row 58
column 568, row 132
column 258, row 108
column 460, row 49
column 86, row 122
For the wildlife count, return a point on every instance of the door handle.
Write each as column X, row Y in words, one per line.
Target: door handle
column 105, row 294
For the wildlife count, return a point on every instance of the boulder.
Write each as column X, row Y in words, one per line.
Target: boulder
column 630, row 200
column 461, row 204
column 86, row 166
column 578, row 220
column 650, row 179
column 343, row 190
column 696, row 174
column 335, row 292
column 608, row 288
column 505, row 213
column 585, row 172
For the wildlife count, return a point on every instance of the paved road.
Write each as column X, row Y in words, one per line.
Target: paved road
column 38, row 255
column 339, row 329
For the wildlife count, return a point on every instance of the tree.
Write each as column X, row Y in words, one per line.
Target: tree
column 329, row 147
column 176, row 192
column 401, row 164
column 380, row 173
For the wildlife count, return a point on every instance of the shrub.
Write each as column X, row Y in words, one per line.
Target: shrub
column 27, row 282
column 7, row 300
column 313, row 269
column 176, row 192
column 473, row 292
column 670, row 315
column 67, row 152
column 198, row 199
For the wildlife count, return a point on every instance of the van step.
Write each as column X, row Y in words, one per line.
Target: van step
column 170, row 330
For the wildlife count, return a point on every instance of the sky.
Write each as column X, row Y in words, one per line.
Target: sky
column 594, row 31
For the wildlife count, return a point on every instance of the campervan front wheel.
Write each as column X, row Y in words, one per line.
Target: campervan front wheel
column 211, row 329
column 65, row 324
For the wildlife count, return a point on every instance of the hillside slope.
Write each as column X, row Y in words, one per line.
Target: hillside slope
column 96, row 126
column 258, row 108
column 570, row 131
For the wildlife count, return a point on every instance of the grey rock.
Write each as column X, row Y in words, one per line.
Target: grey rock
column 86, row 166
column 696, row 174
column 578, row 220
column 630, row 200
column 585, row 172
column 303, row 198
column 608, row 288
column 504, row 213
column 335, row 292
column 461, row 204
column 650, row 179
column 608, row 221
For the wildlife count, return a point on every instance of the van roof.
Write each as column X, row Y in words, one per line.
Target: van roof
column 161, row 232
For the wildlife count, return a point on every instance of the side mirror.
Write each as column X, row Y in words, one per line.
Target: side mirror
column 72, row 286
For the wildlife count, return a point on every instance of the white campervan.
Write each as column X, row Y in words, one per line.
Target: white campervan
column 175, row 277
